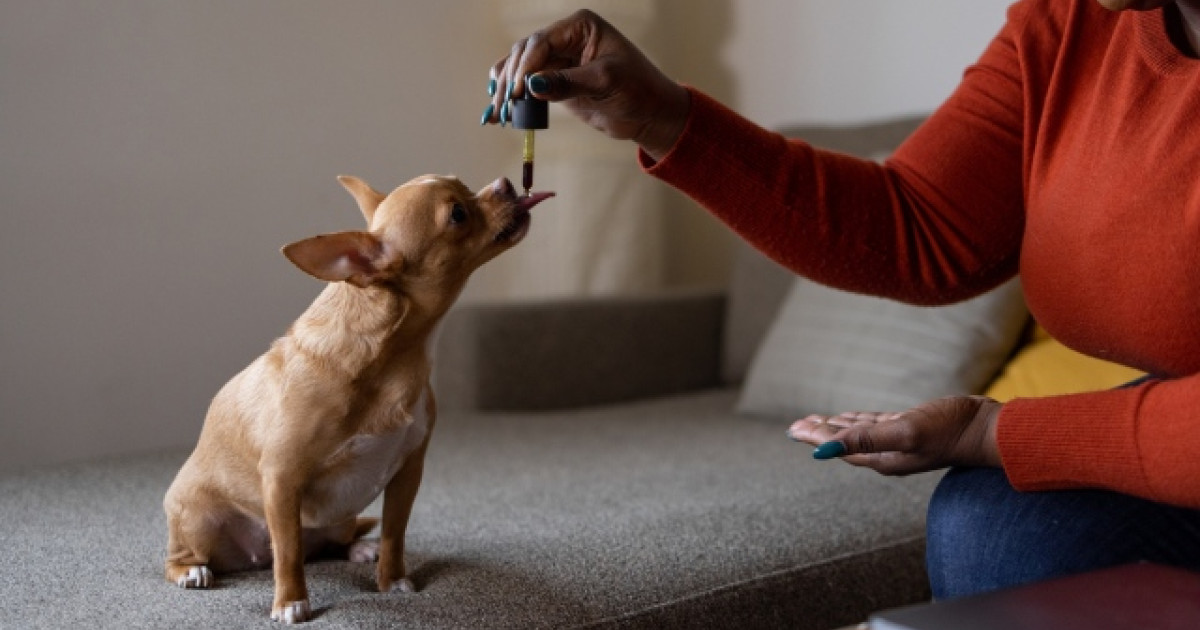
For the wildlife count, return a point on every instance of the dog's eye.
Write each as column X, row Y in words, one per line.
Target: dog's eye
column 458, row 214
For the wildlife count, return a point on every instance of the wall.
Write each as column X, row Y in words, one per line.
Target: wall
column 155, row 155
column 853, row 60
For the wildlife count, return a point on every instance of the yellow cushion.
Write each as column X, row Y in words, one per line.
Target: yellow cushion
column 1045, row 367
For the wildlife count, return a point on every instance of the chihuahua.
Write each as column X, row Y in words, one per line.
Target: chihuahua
column 340, row 408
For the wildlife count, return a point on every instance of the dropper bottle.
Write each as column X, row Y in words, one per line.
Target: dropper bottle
column 529, row 113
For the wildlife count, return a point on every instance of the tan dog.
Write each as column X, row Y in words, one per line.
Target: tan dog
column 340, row 408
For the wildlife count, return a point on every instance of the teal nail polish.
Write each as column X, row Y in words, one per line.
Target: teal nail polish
column 487, row 114
column 508, row 93
column 491, row 87
column 538, row 84
column 829, row 450
column 504, row 113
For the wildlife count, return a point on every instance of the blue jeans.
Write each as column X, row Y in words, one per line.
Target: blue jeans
column 983, row 535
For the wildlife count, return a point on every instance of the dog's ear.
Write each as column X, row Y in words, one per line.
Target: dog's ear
column 355, row 257
column 368, row 198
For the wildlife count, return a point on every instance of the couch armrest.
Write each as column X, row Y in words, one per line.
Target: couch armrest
column 573, row 353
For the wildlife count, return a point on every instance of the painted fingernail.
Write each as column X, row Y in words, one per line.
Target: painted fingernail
column 829, row 450
column 538, row 84
column 504, row 113
column 487, row 114
column 491, row 87
column 508, row 93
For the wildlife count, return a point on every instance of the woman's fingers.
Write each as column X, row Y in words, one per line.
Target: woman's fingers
column 507, row 83
column 956, row 430
column 889, row 447
column 600, row 76
column 814, row 429
column 879, row 437
column 825, row 426
column 495, row 89
column 559, row 46
column 876, row 440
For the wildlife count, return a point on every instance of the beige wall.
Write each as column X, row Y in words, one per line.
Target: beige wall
column 154, row 155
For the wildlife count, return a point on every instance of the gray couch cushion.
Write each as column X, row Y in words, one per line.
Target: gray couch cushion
column 668, row 513
column 555, row 354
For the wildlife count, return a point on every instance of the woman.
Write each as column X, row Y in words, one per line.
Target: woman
column 1070, row 154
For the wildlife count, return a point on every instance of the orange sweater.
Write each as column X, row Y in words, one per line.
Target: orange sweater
column 1070, row 153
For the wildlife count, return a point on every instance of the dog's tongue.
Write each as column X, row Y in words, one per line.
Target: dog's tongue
column 528, row 201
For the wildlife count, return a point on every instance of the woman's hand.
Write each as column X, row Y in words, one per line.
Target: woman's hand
column 589, row 66
column 952, row 431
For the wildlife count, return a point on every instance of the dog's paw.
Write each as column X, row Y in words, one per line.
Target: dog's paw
column 196, row 577
column 292, row 612
column 364, row 550
column 403, row 585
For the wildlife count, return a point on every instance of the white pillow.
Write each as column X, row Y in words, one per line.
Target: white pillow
column 830, row 351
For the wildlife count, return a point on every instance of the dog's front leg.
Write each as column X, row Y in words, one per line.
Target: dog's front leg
column 397, row 506
column 281, row 499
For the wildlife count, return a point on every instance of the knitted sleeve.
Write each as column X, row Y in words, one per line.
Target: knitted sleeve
column 939, row 222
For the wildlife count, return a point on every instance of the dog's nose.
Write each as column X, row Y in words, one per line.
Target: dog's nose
column 504, row 188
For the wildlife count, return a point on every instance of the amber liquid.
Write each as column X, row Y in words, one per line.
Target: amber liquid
column 527, row 176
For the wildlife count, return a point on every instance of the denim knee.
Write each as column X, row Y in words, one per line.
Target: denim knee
column 982, row 534
column 959, row 531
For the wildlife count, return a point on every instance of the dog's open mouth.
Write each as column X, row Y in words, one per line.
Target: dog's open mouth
column 518, row 224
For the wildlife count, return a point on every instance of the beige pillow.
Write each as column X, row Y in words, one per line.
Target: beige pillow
column 830, row 351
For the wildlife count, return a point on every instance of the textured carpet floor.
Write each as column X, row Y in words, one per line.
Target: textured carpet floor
column 666, row 513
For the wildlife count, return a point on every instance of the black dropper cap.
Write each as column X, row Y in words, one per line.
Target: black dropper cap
column 530, row 112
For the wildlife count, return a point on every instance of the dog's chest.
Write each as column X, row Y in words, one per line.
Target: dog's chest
column 361, row 468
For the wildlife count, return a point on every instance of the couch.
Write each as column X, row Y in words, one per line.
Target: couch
column 596, row 465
